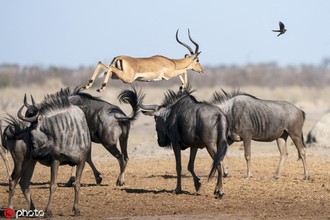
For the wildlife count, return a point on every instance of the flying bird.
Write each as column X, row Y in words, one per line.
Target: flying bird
column 282, row 29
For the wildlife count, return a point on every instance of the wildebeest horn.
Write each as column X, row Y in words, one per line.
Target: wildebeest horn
column 27, row 119
column 149, row 107
column 33, row 102
column 25, row 102
column 183, row 44
column 196, row 44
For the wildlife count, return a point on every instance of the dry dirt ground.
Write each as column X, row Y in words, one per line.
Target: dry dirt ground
column 147, row 193
column 151, row 178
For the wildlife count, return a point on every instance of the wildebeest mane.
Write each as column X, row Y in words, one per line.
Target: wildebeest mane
column 53, row 102
column 172, row 97
column 223, row 96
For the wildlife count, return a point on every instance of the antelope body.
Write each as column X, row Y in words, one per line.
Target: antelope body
column 155, row 68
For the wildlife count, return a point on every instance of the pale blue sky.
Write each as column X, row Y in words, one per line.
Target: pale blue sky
column 72, row 33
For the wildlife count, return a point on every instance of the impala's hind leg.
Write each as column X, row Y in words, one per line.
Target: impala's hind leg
column 125, row 76
column 281, row 144
column 100, row 66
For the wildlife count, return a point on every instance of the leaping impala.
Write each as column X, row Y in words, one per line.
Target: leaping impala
column 155, row 68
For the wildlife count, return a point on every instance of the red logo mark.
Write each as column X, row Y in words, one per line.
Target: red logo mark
column 9, row 213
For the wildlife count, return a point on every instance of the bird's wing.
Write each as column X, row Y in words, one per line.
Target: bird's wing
column 276, row 30
column 281, row 25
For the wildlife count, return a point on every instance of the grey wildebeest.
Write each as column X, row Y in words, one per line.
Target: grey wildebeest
column 58, row 135
column 107, row 123
column 4, row 151
column 183, row 122
column 251, row 118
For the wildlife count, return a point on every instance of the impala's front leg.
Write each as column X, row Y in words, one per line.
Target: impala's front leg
column 184, row 79
column 100, row 66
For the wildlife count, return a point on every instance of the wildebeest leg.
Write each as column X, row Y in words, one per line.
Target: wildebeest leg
column 218, row 191
column 15, row 176
column 300, row 145
column 25, row 182
column 72, row 178
column 224, row 161
column 281, row 143
column 177, row 153
column 4, row 155
column 225, row 167
column 97, row 174
column 12, row 185
column 53, row 170
column 123, row 146
column 247, row 154
column 80, row 168
column 122, row 164
column 193, row 152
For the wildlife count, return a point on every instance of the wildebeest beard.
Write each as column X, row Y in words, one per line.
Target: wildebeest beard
column 161, row 127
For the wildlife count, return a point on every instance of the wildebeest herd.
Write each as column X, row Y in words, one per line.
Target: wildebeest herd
column 59, row 130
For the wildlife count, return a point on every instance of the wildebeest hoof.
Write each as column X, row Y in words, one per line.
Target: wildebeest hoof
column 48, row 214
column 70, row 182
column 275, row 177
column 76, row 212
column 306, row 177
column 218, row 194
column 197, row 186
column 120, row 183
column 99, row 180
column 226, row 174
column 177, row 191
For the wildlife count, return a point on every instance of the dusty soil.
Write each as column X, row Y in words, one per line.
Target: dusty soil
column 150, row 181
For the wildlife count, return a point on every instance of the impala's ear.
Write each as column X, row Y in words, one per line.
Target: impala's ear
column 198, row 53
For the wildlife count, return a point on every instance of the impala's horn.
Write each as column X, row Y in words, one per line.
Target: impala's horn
column 183, row 44
column 196, row 44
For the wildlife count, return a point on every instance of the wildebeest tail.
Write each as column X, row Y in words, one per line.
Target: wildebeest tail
column 134, row 97
column 222, row 145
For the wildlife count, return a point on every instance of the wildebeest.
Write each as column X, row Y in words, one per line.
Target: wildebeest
column 4, row 152
column 16, row 138
column 107, row 123
column 251, row 118
column 183, row 122
column 58, row 135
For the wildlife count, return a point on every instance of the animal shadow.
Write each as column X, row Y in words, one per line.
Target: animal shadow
column 142, row 191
